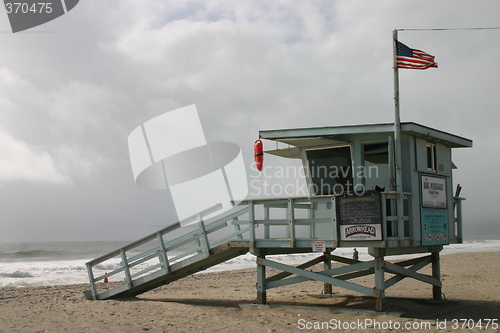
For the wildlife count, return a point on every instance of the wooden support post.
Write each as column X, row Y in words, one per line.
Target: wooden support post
column 327, row 264
column 379, row 292
column 261, row 281
column 436, row 273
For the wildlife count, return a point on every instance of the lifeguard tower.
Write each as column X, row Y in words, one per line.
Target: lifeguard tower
column 353, row 201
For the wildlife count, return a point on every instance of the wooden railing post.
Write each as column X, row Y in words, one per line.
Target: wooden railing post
column 163, row 251
column 203, row 235
column 401, row 221
column 266, row 226
column 251, row 217
column 92, row 280
column 128, row 276
column 291, row 225
column 237, row 228
column 460, row 235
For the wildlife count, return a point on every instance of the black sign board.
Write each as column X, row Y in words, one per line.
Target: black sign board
column 360, row 216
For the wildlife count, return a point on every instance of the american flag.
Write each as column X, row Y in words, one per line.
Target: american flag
column 413, row 59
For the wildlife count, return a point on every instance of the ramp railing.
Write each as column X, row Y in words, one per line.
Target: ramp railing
column 162, row 249
column 176, row 246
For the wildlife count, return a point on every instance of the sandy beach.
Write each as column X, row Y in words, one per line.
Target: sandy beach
column 209, row 302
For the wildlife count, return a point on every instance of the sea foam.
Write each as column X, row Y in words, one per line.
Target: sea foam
column 41, row 267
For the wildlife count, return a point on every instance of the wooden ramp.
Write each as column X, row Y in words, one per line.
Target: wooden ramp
column 168, row 255
column 178, row 270
column 194, row 244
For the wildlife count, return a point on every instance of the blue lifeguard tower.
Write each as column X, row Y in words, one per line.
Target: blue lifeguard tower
column 362, row 193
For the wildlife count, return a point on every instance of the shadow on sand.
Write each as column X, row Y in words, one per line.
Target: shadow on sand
column 416, row 308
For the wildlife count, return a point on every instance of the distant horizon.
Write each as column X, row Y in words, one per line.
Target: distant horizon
column 125, row 241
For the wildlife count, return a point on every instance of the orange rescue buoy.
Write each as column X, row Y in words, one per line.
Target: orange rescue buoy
column 258, row 154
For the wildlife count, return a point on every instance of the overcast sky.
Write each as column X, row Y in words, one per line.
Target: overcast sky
column 73, row 89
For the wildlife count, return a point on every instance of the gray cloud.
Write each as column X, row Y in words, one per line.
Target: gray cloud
column 70, row 98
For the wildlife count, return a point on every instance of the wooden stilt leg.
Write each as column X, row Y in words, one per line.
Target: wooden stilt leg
column 436, row 273
column 379, row 291
column 261, row 281
column 327, row 264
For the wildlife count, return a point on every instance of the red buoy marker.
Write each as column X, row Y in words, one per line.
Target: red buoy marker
column 258, row 154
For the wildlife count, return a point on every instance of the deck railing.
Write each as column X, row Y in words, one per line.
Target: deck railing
column 396, row 231
column 457, row 218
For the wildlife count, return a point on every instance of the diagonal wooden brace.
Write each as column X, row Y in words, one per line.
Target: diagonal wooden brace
column 304, row 275
column 409, row 273
column 417, row 266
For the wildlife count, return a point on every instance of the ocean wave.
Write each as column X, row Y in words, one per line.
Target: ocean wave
column 31, row 254
column 16, row 284
column 47, row 266
column 17, row 274
column 108, row 267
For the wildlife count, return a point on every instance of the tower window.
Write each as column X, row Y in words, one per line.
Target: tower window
column 431, row 157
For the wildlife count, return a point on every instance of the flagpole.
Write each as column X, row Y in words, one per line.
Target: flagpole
column 397, row 120
column 398, row 186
